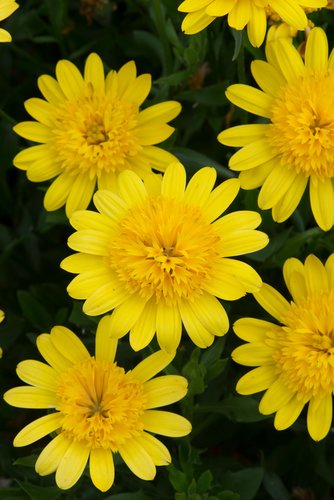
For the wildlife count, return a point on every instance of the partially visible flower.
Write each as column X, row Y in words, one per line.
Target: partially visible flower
column 2, row 317
column 96, row 408
column 91, row 128
column 295, row 358
column 159, row 255
column 7, row 7
column 295, row 147
column 281, row 30
column 250, row 13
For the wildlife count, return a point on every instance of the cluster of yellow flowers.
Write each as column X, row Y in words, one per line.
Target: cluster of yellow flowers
column 158, row 253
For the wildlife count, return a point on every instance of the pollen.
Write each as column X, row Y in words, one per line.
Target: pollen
column 302, row 129
column 101, row 404
column 95, row 134
column 165, row 249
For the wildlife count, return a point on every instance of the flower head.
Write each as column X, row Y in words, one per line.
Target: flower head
column 97, row 408
column 296, row 147
column 156, row 254
column 295, row 359
column 250, row 13
column 7, row 7
column 91, row 128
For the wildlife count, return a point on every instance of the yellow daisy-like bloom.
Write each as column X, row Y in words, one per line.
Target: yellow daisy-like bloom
column 97, row 408
column 157, row 255
column 294, row 360
column 241, row 13
column 7, row 7
column 91, row 128
column 296, row 147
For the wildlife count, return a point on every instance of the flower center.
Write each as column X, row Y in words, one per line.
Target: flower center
column 302, row 129
column 166, row 249
column 95, row 134
column 100, row 403
column 305, row 347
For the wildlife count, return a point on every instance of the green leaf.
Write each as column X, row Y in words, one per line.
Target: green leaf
column 236, row 408
column 275, row 487
column 26, row 461
column 34, row 312
column 178, row 479
column 245, row 482
column 40, row 493
column 204, row 482
column 237, row 35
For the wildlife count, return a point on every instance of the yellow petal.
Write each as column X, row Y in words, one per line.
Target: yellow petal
column 221, row 198
column 72, row 465
column 152, row 365
column 165, row 390
column 195, row 329
column 256, row 380
column 70, row 79
column 143, row 330
column 253, row 330
column 51, row 455
column 105, row 342
column 174, row 181
column 316, row 51
column 31, row 397
column 272, row 301
column 254, row 354
column 155, row 448
column 101, row 468
column 241, row 135
column 105, row 299
column 169, row 327
column 38, row 374
column 288, row 414
column 319, row 417
column 166, row 423
column 94, row 72
column 322, row 202
column 38, row 429
column 68, row 344
column 125, row 315
column 250, row 99
column 275, row 397
column 138, row 460
column 200, row 186
column 80, row 194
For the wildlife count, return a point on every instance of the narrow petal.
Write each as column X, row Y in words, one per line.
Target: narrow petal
column 221, row 198
column 254, row 354
column 256, row 380
column 290, row 12
column 288, row 414
column 68, row 344
column 169, row 327
column 152, row 365
column 293, row 272
column 33, row 131
column 72, row 465
column 319, row 417
column 322, row 202
column 253, row 330
column 143, row 330
column 41, row 110
column 51, row 354
column 31, row 397
column 126, row 314
column 38, row 374
column 272, row 301
column 166, row 423
column 38, row 429
column 257, row 25
column 87, row 219
column 250, row 99
column 275, row 397
column 239, row 16
column 254, row 154
column 155, row 448
column 101, row 468
column 165, row 390
column 80, row 194
column 211, row 314
column 105, row 342
column 138, row 460
column 70, row 79
column 94, row 73
column 276, row 185
column 110, row 204
column 51, row 455
column 174, row 181
column 316, row 51
column 195, row 22
column 131, row 188
column 162, row 112
column 288, row 58
column 88, row 282
column 51, row 90
column 105, row 299
column 316, row 279
column 289, row 202
column 200, row 186
column 58, row 192
column 195, row 329
column 267, row 77
column 90, row 241
column 241, row 135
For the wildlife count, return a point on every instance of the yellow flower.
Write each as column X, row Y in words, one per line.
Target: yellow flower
column 2, row 317
column 241, row 13
column 97, row 408
column 296, row 147
column 91, row 128
column 7, row 7
column 294, row 360
column 157, row 255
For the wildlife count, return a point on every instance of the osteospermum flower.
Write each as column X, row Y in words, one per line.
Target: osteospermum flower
column 250, row 13
column 91, row 128
column 294, row 360
column 7, row 7
column 96, row 408
column 296, row 147
column 159, row 258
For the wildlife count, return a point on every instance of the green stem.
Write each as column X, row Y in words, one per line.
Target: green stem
column 160, row 25
column 7, row 117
